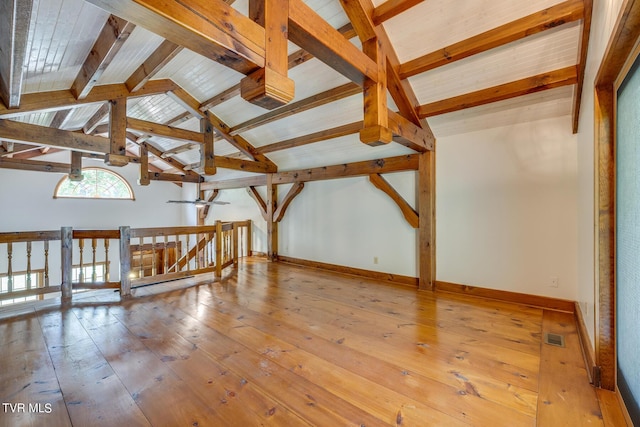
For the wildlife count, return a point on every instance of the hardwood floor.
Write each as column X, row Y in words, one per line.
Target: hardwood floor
column 275, row 344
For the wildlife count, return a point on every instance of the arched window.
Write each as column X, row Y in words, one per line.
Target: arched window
column 97, row 183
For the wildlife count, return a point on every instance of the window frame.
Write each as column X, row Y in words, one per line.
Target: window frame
column 98, row 169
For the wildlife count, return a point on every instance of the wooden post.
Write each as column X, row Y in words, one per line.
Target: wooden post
column 207, row 158
column 144, row 165
column 75, row 174
column 218, row 248
column 249, row 237
column 117, row 155
column 66, row 251
column 272, row 226
column 375, row 129
column 427, row 220
column 270, row 87
column 125, row 261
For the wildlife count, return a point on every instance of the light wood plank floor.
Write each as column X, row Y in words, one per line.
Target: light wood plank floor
column 274, row 344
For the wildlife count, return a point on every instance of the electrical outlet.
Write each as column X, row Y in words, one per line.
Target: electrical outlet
column 375, row 259
column 554, row 282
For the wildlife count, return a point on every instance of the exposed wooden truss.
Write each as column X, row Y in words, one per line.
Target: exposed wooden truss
column 408, row 212
column 554, row 79
column 112, row 37
column 14, row 30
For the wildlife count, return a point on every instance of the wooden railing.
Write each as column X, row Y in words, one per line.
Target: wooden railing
column 119, row 259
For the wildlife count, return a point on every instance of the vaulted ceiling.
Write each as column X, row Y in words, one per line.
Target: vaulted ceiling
column 85, row 76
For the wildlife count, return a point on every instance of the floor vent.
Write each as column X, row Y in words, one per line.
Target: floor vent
column 554, row 339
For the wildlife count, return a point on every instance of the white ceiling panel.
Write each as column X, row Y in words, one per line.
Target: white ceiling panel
column 157, row 108
column 61, row 35
column 200, row 76
column 338, row 113
column 139, row 45
column 534, row 55
column 536, row 106
column 322, row 77
column 434, row 24
column 39, row 118
column 237, row 110
column 79, row 117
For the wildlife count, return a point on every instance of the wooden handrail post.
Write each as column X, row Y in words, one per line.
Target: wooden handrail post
column 249, row 238
column 66, row 252
column 125, row 261
column 218, row 248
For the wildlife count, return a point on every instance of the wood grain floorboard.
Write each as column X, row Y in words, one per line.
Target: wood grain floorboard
column 275, row 344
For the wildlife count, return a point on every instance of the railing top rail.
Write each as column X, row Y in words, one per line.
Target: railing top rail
column 171, row 231
column 96, row 234
column 29, row 236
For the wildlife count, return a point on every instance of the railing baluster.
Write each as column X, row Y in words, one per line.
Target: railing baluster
column 107, row 275
column 94, row 273
column 165, row 258
column 46, row 263
column 29, row 265
column 188, row 258
column 197, row 252
column 178, row 254
column 81, row 275
column 141, row 244
column 9, row 267
column 153, row 256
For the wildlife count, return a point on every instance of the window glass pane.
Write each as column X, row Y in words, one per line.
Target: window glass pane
column 96, row 183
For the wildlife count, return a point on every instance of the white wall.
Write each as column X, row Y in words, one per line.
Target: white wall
column 28, row 203
column 506, row 212
column 605, row 13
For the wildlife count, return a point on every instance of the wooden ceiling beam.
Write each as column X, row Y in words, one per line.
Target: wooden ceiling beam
column 323, row 135
column 408, row 134
column 391, row 8
column 173, row 177
column 367, row 167
column 186, row 101
column 41, row 135
column 97, row 118
column 360, row 13
column 152, row 65
column 212, row 29
column 295, row 189
column 298, row 57
column 56, row 100
column 262, row 205
column 582, row 62
column 551, row 17
column 237, row 141
column 563, row 77
column 175, row 121
column 34, row 165
column 111, row 39
column 410, row 214
column 174, row 163
column 163, row 131
column 244, row 165
column 60, row 118
column 252, row 181
column 312, row 33
column 15, row 16
column 314, row 101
